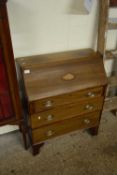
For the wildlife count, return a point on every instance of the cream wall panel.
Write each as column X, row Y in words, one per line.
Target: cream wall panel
column 48, row 26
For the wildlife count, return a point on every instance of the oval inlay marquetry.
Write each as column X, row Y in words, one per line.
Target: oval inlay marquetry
column 68, row 76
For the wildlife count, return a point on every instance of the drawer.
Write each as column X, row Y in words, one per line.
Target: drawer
column 50, row 103
column 65, row 126
column 66, row 111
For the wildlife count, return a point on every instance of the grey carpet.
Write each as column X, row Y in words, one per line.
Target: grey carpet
column 76, row 153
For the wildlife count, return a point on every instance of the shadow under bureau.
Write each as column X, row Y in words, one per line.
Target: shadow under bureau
column 62, row 92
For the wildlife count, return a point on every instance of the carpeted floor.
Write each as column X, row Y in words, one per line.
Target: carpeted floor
column 77, row 153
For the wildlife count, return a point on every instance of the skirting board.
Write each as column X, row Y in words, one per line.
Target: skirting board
column 7, row 128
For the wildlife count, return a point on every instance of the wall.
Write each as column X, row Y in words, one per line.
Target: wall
column 43, row 26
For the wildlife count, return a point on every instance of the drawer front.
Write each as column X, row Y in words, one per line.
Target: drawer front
column 65, row 126
column 50, row 103
column 66, row 111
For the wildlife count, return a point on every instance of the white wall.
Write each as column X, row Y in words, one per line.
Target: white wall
column 42, row 26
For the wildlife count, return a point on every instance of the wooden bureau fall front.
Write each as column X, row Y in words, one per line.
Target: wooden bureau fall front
column 63, row 92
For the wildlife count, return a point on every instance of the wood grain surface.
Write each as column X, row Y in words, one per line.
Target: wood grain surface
column 62, row 127
column 45, row 80
column 69, row 98
column 66, row 111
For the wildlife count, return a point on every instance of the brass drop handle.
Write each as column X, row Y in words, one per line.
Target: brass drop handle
column 50, row 117
column 50, row 133
column 39, row 117
column 48, row 104
column 91, row 94
column 89, row 107
column 86, row 121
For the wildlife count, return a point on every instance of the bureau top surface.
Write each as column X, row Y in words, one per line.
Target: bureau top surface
column 56, row 74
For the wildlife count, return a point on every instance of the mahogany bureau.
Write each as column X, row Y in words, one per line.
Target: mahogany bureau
column 63, row 92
